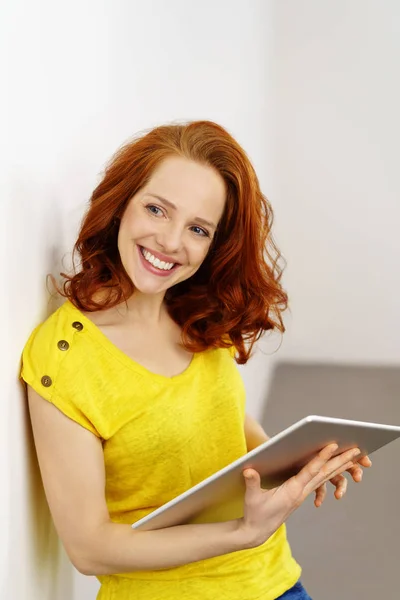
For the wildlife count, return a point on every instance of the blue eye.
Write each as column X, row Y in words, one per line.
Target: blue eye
column 199, row 231
column 154, row 210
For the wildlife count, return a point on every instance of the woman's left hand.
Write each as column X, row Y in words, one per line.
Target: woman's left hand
column 340, row 482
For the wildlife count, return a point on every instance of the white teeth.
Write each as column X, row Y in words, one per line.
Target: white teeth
column 160, row 264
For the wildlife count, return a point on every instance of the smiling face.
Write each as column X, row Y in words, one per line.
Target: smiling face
column 168, row 225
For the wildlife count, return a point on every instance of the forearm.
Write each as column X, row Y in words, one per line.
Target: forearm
column 117, row 548
column 255, row 434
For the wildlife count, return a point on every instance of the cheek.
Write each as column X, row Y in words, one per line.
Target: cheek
column 134, row 227
column 124, row 236
column 199, row 254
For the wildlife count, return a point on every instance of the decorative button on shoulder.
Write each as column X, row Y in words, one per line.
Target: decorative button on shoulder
column 77, row 325
column 63, row 345
column 46, row 381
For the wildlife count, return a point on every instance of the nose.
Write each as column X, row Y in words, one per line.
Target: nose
column 170, row 238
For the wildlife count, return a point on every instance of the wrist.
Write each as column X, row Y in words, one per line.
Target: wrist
column 245, row 537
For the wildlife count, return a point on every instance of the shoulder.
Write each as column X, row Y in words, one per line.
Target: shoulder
column 221, row 359
column 232, row 351
column 228, row 345
column 58, row 321
column 47, row 348
column 49, row 341
column 52, row 363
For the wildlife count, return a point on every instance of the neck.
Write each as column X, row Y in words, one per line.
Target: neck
column 147, row 309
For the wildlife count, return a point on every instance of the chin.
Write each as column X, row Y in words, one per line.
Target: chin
column 150, row 288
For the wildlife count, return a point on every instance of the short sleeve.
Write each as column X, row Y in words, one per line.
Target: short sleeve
column 49, row 367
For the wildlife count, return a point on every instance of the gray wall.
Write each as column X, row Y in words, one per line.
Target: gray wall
column 349, row 549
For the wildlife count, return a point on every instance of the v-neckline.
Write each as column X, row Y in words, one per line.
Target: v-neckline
column 119, row 354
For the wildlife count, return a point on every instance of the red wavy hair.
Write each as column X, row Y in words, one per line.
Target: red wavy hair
column 236, row 294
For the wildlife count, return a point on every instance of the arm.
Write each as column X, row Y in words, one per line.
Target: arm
column 72, row 467
column 255, row 434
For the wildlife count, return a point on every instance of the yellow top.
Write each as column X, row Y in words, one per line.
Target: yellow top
column 161, row 435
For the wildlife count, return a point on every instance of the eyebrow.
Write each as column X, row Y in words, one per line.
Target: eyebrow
column 173, row 206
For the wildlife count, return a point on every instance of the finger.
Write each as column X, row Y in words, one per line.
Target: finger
column 252, row 479
column 320, row 494
column 335, row 466
column 365, row 461
column 340, row 482
column 326, row 473
column 356, row 473
column 314, row 466
column 341, row 469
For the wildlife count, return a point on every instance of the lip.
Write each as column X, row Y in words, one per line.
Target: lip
column 160, row 256
column 149, row 267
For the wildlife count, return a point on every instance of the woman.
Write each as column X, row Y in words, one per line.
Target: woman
column 133, row 391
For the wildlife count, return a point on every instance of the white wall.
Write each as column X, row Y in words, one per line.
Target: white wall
column 82, row 77
column 336, row 167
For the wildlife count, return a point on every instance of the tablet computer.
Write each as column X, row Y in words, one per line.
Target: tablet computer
column 220, row 497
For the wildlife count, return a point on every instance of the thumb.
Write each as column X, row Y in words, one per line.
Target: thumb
column 252, row 479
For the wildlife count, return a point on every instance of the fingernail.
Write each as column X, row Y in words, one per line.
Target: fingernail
column 356, row 453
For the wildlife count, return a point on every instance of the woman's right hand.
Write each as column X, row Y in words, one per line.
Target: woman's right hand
column 266, row 510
